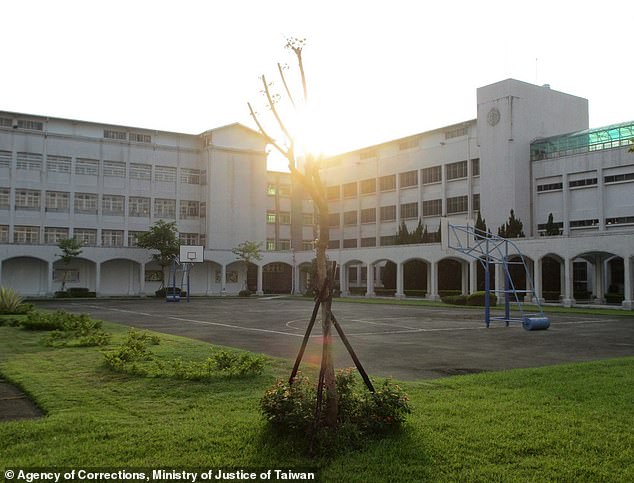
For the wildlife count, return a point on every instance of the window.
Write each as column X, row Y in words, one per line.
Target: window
column 141, row 171
column 189, row 209
column 5, row 195
column 117, row 135
column 584, row 223
column 112, row 238
column 432, row 207
column 203, row 209
column 58, row 164
column 27, row 200
column 454, row 133
column 368, row 186
column 139, row 206
column 29, row 161
column 332, row 193
column 113, row 204
column 432, row 175
column 284, row 190
column 188, row 238
column 308, row 245
column 387, row 183
column 28, row 124
column 582, row 182
column 140, row 138
column 333, row 220
column 388, row 213
column 409, row 210
column 6, row 122
column 350, row 243
column 476, row 202
column 368, row 242
column 270, row 244
column 350, row 218
column 202, row 240
column 86, row 236
column 475, row 167
column 388, row 240
column 308, row 219
column 87, row 167
column 549, row 187
column 53, row 235
column 618, row 178
column 4, row 233
column 190, row 176
column 6, row 158
column 284, row 245
column 164, row 208
column 164, row 174
column 368, row 154
column 58, row 201
column 86, row 203
column 333, row 244
column 271, row 217
column 410, row 178
column 621, row 220
column 133, row 237
column 457, row 204
column 350, row 190
column 114, row 169
column 271, row 189
column 457, row 170
column 29, row 235
column 409, row 144
column 368, row 215
column 284, row 218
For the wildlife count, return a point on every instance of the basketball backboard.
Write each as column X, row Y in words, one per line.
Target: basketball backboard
column 191, row 254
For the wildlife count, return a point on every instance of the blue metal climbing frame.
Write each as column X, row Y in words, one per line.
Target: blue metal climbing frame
column 491, row 251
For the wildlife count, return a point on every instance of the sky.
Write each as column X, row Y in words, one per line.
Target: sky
column 376, row 71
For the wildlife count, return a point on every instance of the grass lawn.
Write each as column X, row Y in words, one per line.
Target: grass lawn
column 565, row 423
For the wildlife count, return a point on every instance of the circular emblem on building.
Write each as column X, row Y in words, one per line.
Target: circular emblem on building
column 493, row 117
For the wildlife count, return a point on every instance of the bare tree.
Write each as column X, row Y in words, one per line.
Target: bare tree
column 310, row 179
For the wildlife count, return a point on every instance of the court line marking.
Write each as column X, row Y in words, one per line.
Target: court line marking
column 236, row 326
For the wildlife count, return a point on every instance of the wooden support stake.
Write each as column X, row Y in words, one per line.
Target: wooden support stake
column 356, row 360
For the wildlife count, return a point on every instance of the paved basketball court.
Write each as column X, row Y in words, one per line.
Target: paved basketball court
column 407, row 342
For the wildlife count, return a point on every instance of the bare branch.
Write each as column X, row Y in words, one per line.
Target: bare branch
column 267, row 92
column 296, row 45
column 269, row 139
column 288, row 91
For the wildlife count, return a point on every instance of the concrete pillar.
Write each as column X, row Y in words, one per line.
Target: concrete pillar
column 142, row 279
column 97, row 278
column 210, row 280
column 260, row 290
column 628, row 302
column 223, row 280
column 537, row 280
column 49, row 278
column 464, row 269
column 568, row 299
column 500, row 277
column 599, row 282
column 399, row 280
column 370, row 281
column 473, row 276
column 433, row 281
column 297, row 286
column 343, row 280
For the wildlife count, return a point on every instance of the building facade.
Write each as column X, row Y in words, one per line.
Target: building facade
column 529, row 150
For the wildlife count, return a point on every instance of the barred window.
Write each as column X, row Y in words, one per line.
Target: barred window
column 368, row 186
column 27, row 199
column 409, row 210
column 188, row 238
column 6, row 157
column 388, row 213
column 333, row 219
column 53, row 235
column 165, row 174
column 308, row 219
column 388, row 240
column 203, row 209
column 58, row 201
column 117, row 135
column 6, row 122
column 271, row 217
column 308, row 245
column 58, row 164
column 475, row 167
column 284, row 190
column 139, row 206
column 333, row 244
column 368, row 215
column 283, row 244
column 332, row 193
column 29, row 161
column 350, row 218
column 190, row 176
column 87, row 167
column 350, row 243
column 270, row 244
column 29, row 235
column 133, row 237
column 284, row 217
column 549, row 187
column 164, row 208
column 85, row 203
column 410, row 178
column 271, row 189
column 476, row 202
column 432, row 207
column 457, row 204
column 140, row 138
column 350, row 190
column 387, row 183
column 189, row 209
column 141, row 171
column 582, row 182
column 368, row 241
column 457, row 170
column 112, row 238
column 4, row 233
column 113, row 204
column 114, row 169
column 5, row 197
column 432, row 175
column 28, row 124
column 368, row 154
column 616, row 178
column 85, row 236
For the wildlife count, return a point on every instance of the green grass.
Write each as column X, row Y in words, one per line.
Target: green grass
column 565, row 423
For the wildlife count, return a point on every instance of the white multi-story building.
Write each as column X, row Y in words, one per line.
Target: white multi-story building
column 530, row 150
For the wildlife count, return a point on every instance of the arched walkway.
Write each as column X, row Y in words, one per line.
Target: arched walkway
column 120, row 277
column 277, row 278
column 452, row 276
column 415, row 278
column 26, row 275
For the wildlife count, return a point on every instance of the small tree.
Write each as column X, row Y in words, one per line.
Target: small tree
column 71, row 248
column 513, row 228
column 551, row 227
column 163, row 238
column 247, row 252
column 480, row 226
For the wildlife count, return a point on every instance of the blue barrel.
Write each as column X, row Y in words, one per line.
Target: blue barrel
column 535, row 323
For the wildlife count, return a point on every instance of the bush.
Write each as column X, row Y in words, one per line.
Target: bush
column 44, row 321
column 449, row 293
column 385, row 292
column 614, row 298
column 11, row 302
column 78, row 330
column 290, row 409
column 415, row 293
column 357, row 290
column 244, row 293
column 455, row 299
column 551, row 295
column 478, row 299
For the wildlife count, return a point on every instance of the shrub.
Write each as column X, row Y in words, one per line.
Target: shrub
column 478, row 299
column 134, row 349
column 449, row 293
column 44, row 321
column 244, row 293
column 551, row 295
column 614, row 298
column 10, row 301
column 415, row 293
column 455, row 299
column 78, row 330
column 163, row 292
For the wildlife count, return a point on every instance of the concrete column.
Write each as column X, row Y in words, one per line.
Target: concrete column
column 297, row 286
column 260, row 290
column 628, row 302
column 566, row 197
column 599, row 282
column 464, row 269
column 210, row 279
column 433, row 281
column 537, row 280
column 399, row 280
column 223, row 280
column 499, row 282
column 473, row 276
column 359, row 270
column 568, row 299
column 1, row 274
column 142, row 279
column 370, row 281
column 343, row 280
column 97, row 278
column 49, row 278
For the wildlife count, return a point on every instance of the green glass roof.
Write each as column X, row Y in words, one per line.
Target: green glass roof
column 608, row 137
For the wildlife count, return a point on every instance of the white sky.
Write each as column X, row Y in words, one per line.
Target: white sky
column 377, row 70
